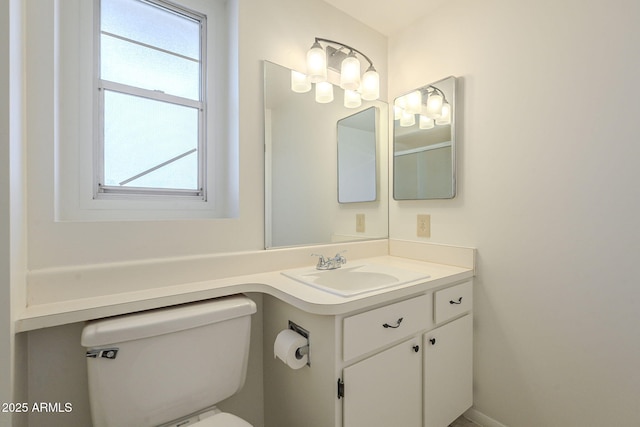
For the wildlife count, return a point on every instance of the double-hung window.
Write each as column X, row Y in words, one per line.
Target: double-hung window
column 151, row 111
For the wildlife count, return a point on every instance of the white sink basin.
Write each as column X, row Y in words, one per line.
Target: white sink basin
column 354, row 280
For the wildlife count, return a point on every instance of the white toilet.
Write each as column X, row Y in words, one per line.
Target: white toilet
column 169, row 367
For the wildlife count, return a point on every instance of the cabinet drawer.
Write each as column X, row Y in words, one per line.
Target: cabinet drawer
column 453, row 301
column 375, row 328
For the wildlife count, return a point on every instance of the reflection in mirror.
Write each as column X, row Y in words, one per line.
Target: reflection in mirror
column 357, row 157
column 424, row 143
column 301, row 168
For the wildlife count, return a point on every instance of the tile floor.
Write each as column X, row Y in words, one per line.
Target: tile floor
column 463, row 422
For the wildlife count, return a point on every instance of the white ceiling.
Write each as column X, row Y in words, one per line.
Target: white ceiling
column 386, row 16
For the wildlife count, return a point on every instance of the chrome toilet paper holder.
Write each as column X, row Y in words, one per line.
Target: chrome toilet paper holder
column 304, row 350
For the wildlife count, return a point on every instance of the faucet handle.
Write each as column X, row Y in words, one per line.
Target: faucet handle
column 338, row 260
column 321, row 260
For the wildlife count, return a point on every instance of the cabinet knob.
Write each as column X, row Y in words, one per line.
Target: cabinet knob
column 432, row 341
column 456, row 302
column 416, row 348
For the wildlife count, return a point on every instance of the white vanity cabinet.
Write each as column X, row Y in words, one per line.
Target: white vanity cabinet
column 448, row 357
column 406, row 363
column 385, row 389
column 448, row 365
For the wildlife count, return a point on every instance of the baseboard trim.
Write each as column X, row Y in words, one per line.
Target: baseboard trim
column 482, row 419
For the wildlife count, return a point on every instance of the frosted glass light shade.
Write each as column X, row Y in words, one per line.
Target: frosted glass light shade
column 371, row 85
column 350, row 73
column 426, row 122
column 445, row 117
column 407, row 119
column 434, row 105
column 352, row 99
column 324, row 92
column 397, row 112
column 413, row 102
column 398, row 107
column 300, row 82
column 316, row 64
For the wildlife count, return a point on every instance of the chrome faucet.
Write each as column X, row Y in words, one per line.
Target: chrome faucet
column 330, row 263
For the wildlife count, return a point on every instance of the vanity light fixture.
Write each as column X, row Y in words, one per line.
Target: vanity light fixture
column 344, row 60
column 398, row 107
column 413, row 104
column 352, row 99
column 429, row 103
column 300, row 82
column 350, row 72
column 324, row 92
column 445, row 115
column 426, row 122
column 407, row 119
column 316, row 63
column 434, row 105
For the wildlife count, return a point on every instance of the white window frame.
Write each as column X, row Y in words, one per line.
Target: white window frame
column 75, row 110
column 110, row 191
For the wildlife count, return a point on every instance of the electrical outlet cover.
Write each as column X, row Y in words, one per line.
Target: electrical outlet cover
column 359, row 223
column 424, row 225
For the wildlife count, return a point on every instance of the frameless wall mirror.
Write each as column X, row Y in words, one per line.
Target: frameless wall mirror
column 357, row 157
column 424, row 142
column 303, row 205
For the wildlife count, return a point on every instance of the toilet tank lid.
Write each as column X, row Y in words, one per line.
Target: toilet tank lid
column 165, row 320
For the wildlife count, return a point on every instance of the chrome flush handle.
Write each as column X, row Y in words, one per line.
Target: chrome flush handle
column 105, row 353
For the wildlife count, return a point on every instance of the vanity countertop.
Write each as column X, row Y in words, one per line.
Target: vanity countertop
column 274, row 283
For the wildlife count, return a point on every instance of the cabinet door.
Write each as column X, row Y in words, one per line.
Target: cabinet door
column 448, row 364
column 385, row 389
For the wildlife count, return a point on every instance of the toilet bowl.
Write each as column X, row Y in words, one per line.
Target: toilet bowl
column 150, row 368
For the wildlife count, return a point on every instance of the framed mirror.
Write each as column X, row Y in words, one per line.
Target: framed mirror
column 424, row 142
column 304, row 203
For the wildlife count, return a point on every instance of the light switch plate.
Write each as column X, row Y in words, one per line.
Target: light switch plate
column 359, row 223
column 424, row 225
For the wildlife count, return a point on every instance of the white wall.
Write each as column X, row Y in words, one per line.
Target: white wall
column 548, row 193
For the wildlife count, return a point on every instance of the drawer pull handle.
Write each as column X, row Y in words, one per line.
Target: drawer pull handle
column 432, row 341
column 386, row 325
column 456, row 302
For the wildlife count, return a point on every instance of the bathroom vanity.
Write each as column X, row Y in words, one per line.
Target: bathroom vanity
column 406, row 362
column 415, row 371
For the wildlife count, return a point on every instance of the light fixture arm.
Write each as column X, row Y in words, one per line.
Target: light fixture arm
column 318, row 39
column 435, row 89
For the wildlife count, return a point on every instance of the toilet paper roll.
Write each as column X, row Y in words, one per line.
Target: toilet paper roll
column 285, row 347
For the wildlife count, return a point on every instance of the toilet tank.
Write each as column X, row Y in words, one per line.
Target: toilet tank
column 149, row 368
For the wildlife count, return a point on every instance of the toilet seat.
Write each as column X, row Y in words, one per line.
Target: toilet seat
column 223, row 419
